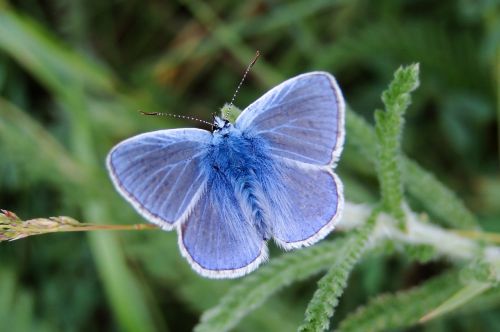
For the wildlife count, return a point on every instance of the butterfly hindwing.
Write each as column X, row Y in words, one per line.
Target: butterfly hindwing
column 159, row 172
column 218, row 238
column 302, row 119
column 306, row 202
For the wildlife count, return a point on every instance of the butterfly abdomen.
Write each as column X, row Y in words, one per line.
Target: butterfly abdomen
column 249, row 192
column 234, row 159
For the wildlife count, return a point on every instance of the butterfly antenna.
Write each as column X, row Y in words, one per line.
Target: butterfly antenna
column 177, row 116
column 254, row 60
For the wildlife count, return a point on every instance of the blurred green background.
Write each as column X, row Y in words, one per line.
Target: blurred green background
column 74, row 73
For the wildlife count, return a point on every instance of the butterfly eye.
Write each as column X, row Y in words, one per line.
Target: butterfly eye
column 219, row 123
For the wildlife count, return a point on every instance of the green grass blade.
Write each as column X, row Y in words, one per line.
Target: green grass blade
column 23, row 138
column 251, row 27
column 464, row 295
column 125, row 293
column 132, row 306
column 53, row 64
column 7, row 289
column 230, row 39
column 17, row 305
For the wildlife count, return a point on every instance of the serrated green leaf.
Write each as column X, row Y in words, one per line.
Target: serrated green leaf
column 388, row 129
column 321, row 307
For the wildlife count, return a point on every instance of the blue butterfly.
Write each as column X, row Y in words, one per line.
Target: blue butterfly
column 227, row 192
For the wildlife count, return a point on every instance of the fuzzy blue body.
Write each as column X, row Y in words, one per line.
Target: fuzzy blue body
column 240, row 162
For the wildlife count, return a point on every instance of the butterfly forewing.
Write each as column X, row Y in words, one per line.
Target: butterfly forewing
column 302, row 119
column 159, row 173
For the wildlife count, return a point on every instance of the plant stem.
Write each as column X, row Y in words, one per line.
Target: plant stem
column 478, row 235
column 447, row 243
column 93, row 227
column 18, row 229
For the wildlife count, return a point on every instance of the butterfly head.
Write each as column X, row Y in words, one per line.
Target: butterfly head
column 221, row 125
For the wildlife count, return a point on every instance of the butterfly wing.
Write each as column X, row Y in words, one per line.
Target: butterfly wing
column 305, row 204
column 218, row 239
column 302, row 119
column 302, row 122
column 159, row 173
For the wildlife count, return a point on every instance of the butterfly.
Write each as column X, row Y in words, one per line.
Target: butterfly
column 269, row 175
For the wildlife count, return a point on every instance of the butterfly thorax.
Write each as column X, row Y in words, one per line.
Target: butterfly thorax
column 239, row 162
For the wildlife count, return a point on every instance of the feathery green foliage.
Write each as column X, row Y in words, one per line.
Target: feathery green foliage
column 72, row 81
column 461, row 297
column 331, row 286
column 388, row 128
column 440, row 200
column 477, row 278
column 258, row 287
column 421, row 184
column 421, row 253
column 402, row 309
